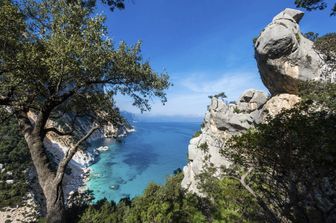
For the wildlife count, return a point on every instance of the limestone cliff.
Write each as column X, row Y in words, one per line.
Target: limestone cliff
column 285, row 58
column 224, row 120
column 78, row 170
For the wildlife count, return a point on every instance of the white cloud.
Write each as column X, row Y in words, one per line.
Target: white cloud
column 189, row 95
column 233, row 83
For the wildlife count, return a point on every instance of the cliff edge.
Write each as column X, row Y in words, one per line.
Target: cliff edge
column 285, row 58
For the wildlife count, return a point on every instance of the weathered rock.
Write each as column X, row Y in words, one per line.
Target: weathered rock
column 277, row 104
column 251, row 100
column 285, row 57
column 224, row 120
column 9, row 181
column 221, row 122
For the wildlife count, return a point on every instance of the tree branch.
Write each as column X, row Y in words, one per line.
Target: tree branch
column 272, row 216
column 58, row 132
column 69, row 154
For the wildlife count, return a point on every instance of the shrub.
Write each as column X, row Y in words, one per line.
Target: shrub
column 198, row 133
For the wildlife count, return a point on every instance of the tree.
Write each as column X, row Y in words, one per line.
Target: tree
column 166, row 203
column 327, row 46
column 14, row 157
column 291, row 159
column 311, row 5
column 311, row 36
column 58, row 67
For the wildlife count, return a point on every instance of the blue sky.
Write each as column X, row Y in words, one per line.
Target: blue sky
column 205, row 46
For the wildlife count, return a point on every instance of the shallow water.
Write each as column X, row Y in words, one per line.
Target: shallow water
column 150, row 154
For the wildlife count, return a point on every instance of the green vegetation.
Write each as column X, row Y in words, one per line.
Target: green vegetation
column 57, row 64
column 55, row 61
column 297, row 36
column 311, row 36
column 231, row 201
column 204, row 147
column 198, row 133
column 327, row 45
column 236, row 110
column 311, row 5
column 221, row 95
column 167, row 203
column 289, row 162
column 15, row 157
column 227, row 202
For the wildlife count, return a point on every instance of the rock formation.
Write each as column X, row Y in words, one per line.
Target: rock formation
column 221, row 122
column 284, row 57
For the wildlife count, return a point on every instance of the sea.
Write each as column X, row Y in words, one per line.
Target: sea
column 150, row 154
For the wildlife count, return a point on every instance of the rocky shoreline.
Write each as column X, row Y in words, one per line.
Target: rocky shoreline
column 74, row 181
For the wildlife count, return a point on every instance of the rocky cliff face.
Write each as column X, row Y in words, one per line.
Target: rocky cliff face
column 78, row 166
column 77, row 170
column 224, row 120
column 285, row 58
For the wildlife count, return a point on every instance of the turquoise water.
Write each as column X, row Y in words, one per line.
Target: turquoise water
column 150, row 154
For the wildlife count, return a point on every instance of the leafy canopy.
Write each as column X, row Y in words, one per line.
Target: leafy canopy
column 56, row 59
column 293, row 157
column 315, row 5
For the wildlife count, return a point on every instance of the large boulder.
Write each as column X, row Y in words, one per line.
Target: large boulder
column 285, row 57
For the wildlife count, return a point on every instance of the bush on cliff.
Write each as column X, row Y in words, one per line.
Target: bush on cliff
column 291, row 159
column 167, row 203
column 15, row 159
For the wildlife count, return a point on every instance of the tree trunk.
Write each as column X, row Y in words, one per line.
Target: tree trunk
column 49, row 179
column 55, row 203
column 52, row 189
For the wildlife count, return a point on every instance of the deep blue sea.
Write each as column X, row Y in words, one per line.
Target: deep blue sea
column 149, row 154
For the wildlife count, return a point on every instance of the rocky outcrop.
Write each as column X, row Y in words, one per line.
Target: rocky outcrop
column 285, row 57
column 277, row 104
column 77, row 171
column 222, row 121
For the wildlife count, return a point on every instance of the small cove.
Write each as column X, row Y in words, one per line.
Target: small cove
column 149, row 154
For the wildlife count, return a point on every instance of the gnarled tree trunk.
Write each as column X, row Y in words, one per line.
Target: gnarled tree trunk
column 52, row 190
column 55, row 203
column 49, row 179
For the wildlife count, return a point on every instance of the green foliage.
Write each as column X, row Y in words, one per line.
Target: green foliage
column 319, row 94
column 167, row 203
column 293, row 158
column 204, row 147
column 327, row 45
column 198, row 133
column 230, row 201
column 311, row 5
column 56, row 58
column 220, row 95
column 236, row 110
column 297, row 36
column 255, row 40
column 311, row 36
column 16, row 159
column 57, row 63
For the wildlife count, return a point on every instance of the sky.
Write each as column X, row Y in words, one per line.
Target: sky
column 205, row 46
